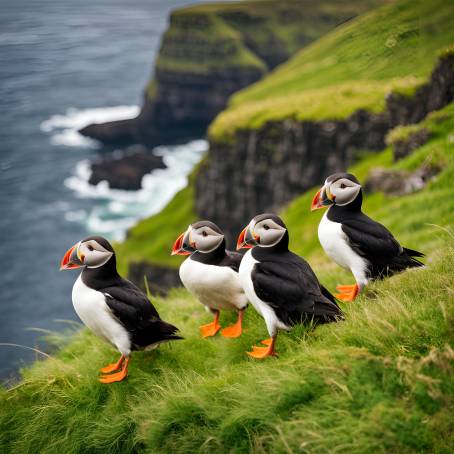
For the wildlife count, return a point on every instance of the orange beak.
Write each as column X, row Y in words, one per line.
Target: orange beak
column 316, row 204
column 243, row 239
column 177, row 248
column 321, row 199
column 70, row 260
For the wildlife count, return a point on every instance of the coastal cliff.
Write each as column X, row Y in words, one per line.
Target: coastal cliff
column 211, row 51
column 269, row 166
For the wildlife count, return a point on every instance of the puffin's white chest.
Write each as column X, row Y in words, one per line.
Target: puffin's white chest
column 245, row 273
column 90, row 305
column 217, row 287
column 335, row 244
column 246, row 266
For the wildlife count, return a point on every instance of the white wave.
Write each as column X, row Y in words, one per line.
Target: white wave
column 115, row 210
column 64, row 128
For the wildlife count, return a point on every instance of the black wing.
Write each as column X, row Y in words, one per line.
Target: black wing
column 375, row 242
column 293, row 291
column 369, row 238
column 137, row 314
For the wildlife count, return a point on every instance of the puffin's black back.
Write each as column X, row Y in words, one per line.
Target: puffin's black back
column 287, row 283
column 373, row 241
column 129, row 305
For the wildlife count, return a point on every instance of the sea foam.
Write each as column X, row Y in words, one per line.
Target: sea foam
column 114, row 210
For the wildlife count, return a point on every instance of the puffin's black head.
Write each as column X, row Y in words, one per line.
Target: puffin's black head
column 264, row 230
column 203, row 236
column 92, row 252
column 339, row 189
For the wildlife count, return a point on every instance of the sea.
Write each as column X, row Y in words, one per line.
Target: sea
column 65, row 64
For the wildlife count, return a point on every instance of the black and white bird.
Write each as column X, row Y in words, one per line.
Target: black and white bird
column 355, row 241
column 211, row 274
column 279, row 284
column 112, row 307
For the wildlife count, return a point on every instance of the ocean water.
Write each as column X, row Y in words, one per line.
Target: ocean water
column 64, row 64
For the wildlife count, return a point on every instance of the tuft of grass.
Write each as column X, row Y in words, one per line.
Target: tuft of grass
column 390, row 48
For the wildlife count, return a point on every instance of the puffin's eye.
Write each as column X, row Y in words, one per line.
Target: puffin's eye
column 90, row 247
column 204, row 233
column 343, row 186
column 266, row 227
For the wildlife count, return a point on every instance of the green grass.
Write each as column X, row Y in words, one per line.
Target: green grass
column 391, row 48
column 380, row 381
column 249, row 35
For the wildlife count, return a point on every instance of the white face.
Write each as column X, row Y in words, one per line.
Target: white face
column 344, row 191
column 204, row 238
column 92, row 254
column 269, row 233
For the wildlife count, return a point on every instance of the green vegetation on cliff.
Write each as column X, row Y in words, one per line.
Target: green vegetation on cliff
column 354, row 66
column 248, row 35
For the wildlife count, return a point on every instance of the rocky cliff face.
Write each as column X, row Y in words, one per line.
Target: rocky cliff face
column 264, row 169
column 211, row 51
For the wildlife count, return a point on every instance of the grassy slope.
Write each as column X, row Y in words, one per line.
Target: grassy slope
column 380, row 381
column 354, row 66
column 220, row 27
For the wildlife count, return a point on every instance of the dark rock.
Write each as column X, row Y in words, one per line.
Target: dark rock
column 399, row 182
column 113, row 132
column 265, row 168
column 160, row 279
column 403, row 147
column 125, row 171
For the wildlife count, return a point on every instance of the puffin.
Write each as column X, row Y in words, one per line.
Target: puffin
column 211, row 274
column 279, row 284
column 113, row 308
column 355, row 241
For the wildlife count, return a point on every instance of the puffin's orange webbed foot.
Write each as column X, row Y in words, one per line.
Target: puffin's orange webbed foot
column 347, row 292
column 211, row 328
column 119, row 376
column 266, row 341
column 114, row 367
column 263, row 352
column 236, row 329
column 232, row 331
